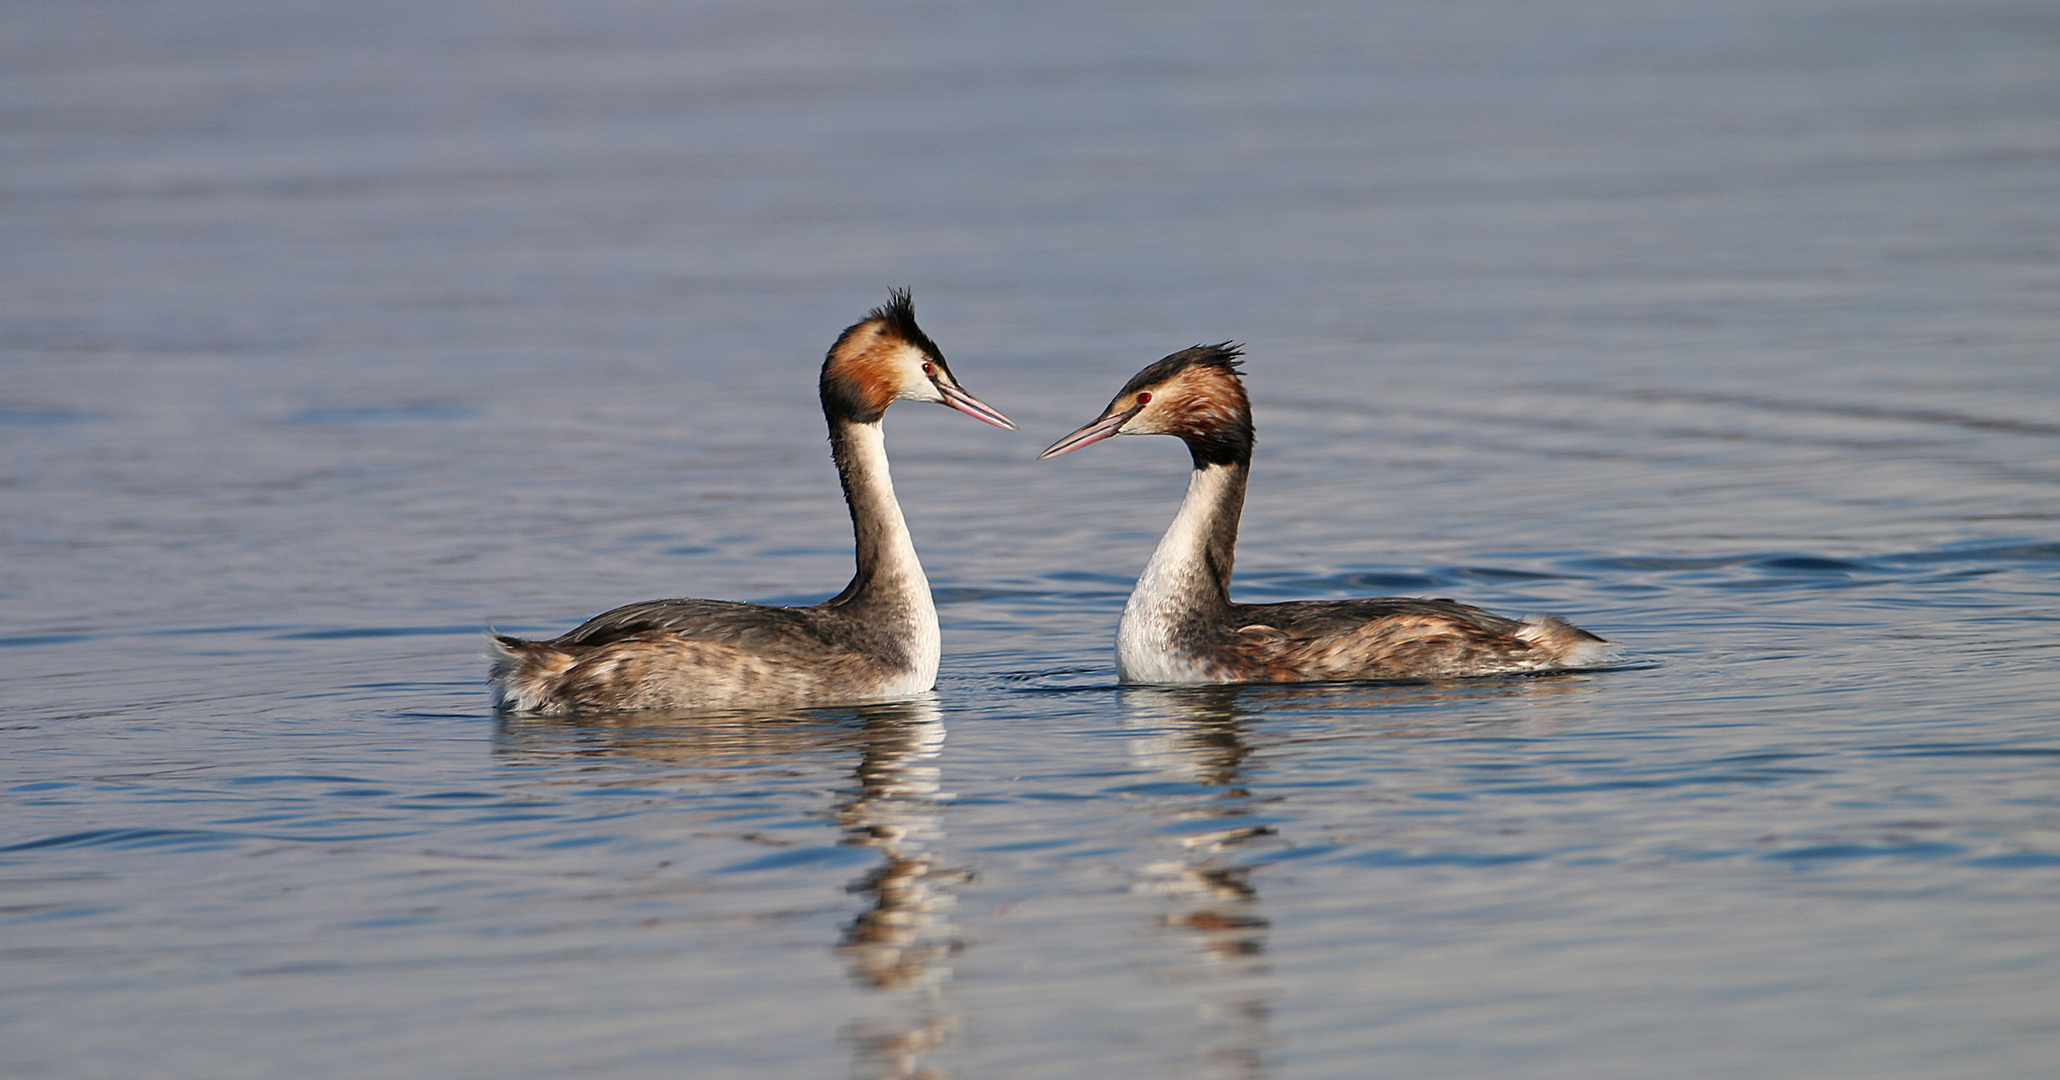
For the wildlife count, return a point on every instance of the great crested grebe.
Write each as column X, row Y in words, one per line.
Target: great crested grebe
column 1180, row 625
column 875, row 641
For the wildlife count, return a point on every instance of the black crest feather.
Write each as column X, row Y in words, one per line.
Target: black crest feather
column 1223, row 356
column 899, row 316
column 896, row 318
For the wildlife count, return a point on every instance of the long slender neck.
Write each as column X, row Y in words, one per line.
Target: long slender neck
column 1185, row 589
column 889, row 577
column 1189, row 573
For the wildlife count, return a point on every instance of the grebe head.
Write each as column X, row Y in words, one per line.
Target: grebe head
column 884, row 358
column 1194, row 394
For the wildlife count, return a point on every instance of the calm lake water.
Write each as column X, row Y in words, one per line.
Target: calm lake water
column 333, row 333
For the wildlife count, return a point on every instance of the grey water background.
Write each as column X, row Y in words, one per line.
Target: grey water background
column 332, row 333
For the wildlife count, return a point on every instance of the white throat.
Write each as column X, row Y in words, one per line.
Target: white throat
column 1175, row 583
column 896, row 587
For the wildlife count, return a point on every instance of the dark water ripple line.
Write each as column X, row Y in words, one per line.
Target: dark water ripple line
column 1085, row 688
column 1787, row 562
column 1751, row 570
column 1964, row 750
column 1937, row 417
column 2000, row 550
column 29, row 640
column 2018, row 860
column 1464, row 429
column 1530, row 788
column 145, row 837
column 584, row 955
column 69, row 637
column 804, row 856
column 1041, row 673
column 33, row 417
column 185, row 631
column 1749, row 402
column 295, row 778
column 966, row 594
column 357, row 414
column 1396, row 858
column 1813, row 564
column 1825, row 852
column 380, row 631
column 2006, row 549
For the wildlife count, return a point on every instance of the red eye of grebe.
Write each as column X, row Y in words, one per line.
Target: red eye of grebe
column 929, row 368
column 1143, row 398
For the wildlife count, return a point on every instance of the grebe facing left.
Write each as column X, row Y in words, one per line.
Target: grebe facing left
column 1180, row 625
column 875, row 641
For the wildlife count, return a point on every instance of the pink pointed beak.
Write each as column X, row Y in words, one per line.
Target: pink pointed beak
column 1092, row 433
column 972, row 406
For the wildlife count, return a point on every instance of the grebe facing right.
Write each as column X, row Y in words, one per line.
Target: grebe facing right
column 1180, row 625
column 875, row 641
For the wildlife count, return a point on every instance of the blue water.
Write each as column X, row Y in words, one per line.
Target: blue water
column 336, row 333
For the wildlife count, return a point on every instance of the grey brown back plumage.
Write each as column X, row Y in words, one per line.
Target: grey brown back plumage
column 876, row 640
column 1180, row 625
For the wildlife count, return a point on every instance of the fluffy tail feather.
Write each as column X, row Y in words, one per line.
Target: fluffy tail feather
column 1569, row 645
column 523, row 671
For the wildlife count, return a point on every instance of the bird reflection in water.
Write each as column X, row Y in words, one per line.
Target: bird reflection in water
column 1198, row 740
column 1194, row 736
column 904, row 941
column 900, row 945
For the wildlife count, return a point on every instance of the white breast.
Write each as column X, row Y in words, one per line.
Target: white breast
column 1147, row 650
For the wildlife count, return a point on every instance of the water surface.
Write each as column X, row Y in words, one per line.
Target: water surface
column 334, row 334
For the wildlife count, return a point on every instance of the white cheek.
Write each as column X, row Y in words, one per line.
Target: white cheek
column 915, row 382
column 1149, row 422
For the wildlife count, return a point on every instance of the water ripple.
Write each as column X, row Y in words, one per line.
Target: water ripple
column 146, row 838
column 51, row 417
column 360, row 414
column 1820, row 852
